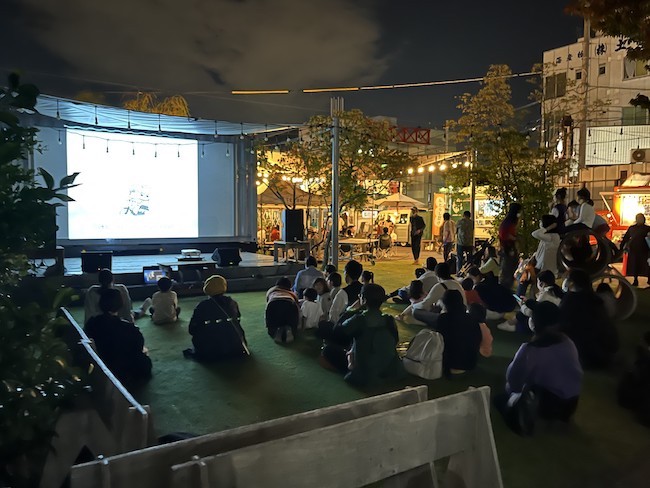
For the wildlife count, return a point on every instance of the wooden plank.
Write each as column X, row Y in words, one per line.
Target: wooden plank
column 151, row 467
column 361, row 451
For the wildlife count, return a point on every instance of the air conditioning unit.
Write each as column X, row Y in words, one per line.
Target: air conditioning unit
column 640, row 155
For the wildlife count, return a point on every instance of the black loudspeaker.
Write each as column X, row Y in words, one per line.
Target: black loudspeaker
column 226, row 256
column 93, row 261
column 293, row 225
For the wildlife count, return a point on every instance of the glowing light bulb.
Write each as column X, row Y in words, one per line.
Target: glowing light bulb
column 410, row 171
column 420, row 170
column 432, row 168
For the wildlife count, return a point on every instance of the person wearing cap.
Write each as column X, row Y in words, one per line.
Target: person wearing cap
column 417, row 229
column 214, row 327
column 548, row 364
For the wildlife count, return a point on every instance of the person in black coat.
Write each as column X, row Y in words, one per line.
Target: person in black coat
column 584, row 318
column 119, row 342
column 634, row 242
column 214, row 327
column 461, row 332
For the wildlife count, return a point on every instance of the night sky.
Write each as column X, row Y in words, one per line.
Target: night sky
column 204, row 48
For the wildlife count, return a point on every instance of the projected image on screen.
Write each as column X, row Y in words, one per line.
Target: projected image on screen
column 132, row 187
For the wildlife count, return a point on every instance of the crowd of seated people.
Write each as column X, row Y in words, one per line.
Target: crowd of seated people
column 565, row 329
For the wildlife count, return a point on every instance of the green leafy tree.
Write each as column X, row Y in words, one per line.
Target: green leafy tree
column 510, row 165
column 286, row 173
column 624, row 18
column 37, row 380
column 369, row 159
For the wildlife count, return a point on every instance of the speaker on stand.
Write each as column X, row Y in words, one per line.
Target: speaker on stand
column 293, row 225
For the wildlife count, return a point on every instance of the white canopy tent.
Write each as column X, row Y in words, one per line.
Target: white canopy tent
column 89, row 114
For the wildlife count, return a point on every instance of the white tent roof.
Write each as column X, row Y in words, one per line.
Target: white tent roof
column 399, row 200
column 119, row 118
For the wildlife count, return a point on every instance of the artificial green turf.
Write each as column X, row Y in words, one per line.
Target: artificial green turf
column 602, row 446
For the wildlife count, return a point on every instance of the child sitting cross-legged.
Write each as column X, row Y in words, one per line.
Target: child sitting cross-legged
column 310, row 310
column 164, row 303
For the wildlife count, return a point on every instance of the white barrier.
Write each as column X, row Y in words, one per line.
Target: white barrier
column 151, row 468
column 107, row 421
column 397, row 447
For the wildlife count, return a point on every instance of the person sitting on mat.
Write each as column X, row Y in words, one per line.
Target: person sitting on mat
column 164, row 303
column 119, row 342
column 363, row 346
column 214, row 326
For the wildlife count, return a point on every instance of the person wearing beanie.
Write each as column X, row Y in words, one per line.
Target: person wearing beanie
column 548, row 364
column 214, row 326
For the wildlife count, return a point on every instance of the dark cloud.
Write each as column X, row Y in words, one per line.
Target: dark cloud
column 204, row 48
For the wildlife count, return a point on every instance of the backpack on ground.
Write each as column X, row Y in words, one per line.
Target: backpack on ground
column 424, row 355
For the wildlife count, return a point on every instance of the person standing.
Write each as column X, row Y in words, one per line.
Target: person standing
column 417, row 229
column 464, row 239
column 448, row 235
column 634, row 242
column 508, row 242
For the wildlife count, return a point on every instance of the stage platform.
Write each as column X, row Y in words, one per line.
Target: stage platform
column 255, row 272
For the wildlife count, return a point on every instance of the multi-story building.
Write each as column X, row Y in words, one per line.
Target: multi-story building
column 616, row 131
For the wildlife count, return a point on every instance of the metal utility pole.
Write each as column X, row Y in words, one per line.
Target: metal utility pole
column 336, row 106
column 584, row 113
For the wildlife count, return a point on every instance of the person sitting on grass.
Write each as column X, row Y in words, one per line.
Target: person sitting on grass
column 164, row 303
column 306, row 277
column 119, row 342
column 461, row 332
column 548, row 365
column 310, row 311
column 497, row 298
column 428, row 310
column 323, row 297
column 426, row 275
column 329, row 269
column 107, row 281
column 471, row 295
column 490, row 262
column 584, row 319
column 352, row 272
column 214, row 326
column 363, row 347
column 479, row 313
column 282, row 311
column 548, row 291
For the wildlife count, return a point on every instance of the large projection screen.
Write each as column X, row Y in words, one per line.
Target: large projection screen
column 140, row 188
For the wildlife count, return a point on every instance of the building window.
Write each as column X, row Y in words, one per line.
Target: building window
column 634, row 116
column 555, row 86
column 578, row 75
column 633, row 68
column 601, row 69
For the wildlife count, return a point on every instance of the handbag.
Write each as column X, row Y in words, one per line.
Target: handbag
column 522, row 412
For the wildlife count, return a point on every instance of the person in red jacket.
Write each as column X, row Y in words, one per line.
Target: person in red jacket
column 508, row 242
